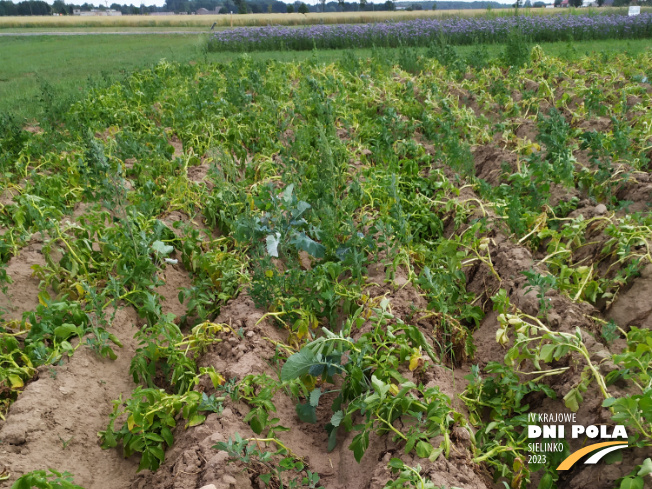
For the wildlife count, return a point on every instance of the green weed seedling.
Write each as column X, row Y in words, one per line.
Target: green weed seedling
column 65, row 443
column 280, row 469
column 5, row 281
column 101, row 340
column 407, row 476
column 542, row 283
column 555, row 134
column 409, row 60
column 517, row 51
column 41, row 479
column 610, row 332
column 637, row 478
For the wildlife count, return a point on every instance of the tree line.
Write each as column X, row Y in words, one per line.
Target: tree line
column 40, row 7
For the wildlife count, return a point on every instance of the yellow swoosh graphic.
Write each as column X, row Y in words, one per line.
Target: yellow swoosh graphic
column 574, row 457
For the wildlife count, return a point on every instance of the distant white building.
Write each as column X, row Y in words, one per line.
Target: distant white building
column 96, row 12
column 203, row 11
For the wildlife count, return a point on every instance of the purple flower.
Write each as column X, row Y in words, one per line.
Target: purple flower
column 421, row 32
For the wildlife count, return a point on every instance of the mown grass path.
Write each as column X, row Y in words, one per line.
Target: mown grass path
column 93, row 33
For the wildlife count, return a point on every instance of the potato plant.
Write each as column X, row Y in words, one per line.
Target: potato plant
column 328, row 193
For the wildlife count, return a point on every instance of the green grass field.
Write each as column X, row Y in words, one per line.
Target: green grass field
column 65, row 66
column 42, row 72
column 205, row 27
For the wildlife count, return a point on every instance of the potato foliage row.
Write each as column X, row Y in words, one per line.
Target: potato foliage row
column 316, row 173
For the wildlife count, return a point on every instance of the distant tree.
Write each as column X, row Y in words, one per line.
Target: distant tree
column 557, row 3
column 417, row 6
column 303, row 8
column 7, row 8
column 59, row 7
column 539, row 5
column 600, row 3
column 434, row 5
column 528, row 4
column 241, row 5
column 389, row 5
column 341, row 5
column 576, row 3
column 32, row 8
column 290, row 9
column 278, row 7
column 363, row 4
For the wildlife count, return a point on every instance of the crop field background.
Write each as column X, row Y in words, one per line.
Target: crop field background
column 46, row 74
column 310, row 18
column 422, row 32
column 355, row 269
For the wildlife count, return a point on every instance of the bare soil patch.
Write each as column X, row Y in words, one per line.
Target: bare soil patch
column 54, row 422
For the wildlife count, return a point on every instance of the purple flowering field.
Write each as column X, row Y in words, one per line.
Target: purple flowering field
column 421, row 32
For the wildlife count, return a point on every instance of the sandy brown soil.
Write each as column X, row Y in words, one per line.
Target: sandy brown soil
column 633, row 307
column 54, row 422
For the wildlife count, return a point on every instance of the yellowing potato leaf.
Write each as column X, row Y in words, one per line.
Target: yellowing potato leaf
column 414, row 360
column 16, row 381
column 43, row 298
column 80, row 290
